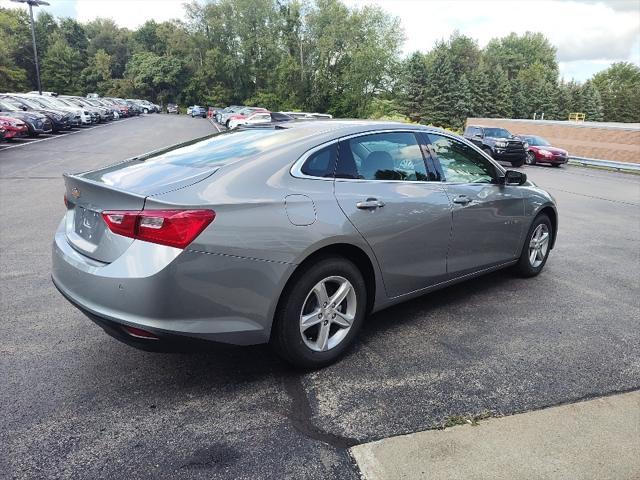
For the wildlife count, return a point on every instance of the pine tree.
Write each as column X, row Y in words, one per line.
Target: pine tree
column 463, row 103
column 439, row 93
column 480, row 98
column 501, row 105
column 518, row 99
column 414, row 81
column 592, row 102
column 61, row 68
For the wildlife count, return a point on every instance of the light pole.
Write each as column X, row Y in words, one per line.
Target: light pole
column 34, row 3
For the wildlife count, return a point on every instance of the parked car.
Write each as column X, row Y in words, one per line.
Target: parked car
column 173, row 108
column 120, row 105
column 36, row 122
column 242, row 114
column 147, row 107
column 13, row 128
column 308, row 115
column 252, row 119
column 97, row 115
column 541, row 151
column 498, row 143
column 198, row 111
column 291, row 234
column 225, row 113
column 79, row 116
column 60, row 120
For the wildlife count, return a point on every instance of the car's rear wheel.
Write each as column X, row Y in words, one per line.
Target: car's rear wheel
column 320, row 313
column 531, row 159
column 536, row 247
column 557, row 165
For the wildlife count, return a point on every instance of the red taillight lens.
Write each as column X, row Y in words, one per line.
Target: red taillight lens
column 174, row 228
column 138, row 332
column 66, row 202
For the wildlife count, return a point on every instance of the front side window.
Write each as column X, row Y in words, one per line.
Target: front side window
column 382, row 156
column 459, row 162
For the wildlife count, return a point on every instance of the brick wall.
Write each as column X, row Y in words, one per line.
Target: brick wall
column 601, row 141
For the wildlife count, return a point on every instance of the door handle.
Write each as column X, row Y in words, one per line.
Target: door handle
column 462, row 200
column 370, row 203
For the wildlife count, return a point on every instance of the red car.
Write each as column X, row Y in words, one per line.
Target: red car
column 13, row 128
column 244, row 113
column 541, row 151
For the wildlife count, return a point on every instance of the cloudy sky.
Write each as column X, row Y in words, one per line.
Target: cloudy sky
column 589, row 34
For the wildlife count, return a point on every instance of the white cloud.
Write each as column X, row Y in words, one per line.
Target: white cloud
column 593, row 31
column 130, row 13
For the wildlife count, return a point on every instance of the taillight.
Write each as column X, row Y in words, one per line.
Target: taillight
column 174, row 228
column 66, row 201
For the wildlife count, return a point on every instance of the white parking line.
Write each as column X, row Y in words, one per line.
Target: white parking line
column 31, row 142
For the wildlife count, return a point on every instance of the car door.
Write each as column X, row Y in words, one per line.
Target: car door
column 382, row 187
column 487, row 216
column 475, row 136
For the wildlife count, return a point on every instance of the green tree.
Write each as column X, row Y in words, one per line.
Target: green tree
column 619, row 88
column 61, row 68
column 515, row 53
column 96, row 77
column 501, row 105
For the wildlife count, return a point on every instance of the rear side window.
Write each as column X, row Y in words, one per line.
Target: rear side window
column 321, row 163
column 382, row 156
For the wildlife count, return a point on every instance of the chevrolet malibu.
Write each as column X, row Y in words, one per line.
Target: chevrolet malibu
column 290, row 234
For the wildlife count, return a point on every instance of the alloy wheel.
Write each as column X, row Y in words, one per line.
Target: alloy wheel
column 328, row 313
column 539, row 245
column 531, row 159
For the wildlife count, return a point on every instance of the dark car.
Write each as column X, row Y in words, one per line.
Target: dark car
column 96, row 115
column 541, row 151
column 36, row 122
column 173, row 108
column 498, row 143
column 60, row 120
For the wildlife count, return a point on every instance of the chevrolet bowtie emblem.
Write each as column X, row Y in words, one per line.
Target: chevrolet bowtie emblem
column 75, row 192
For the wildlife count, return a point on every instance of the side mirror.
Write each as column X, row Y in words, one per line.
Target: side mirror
column 513, row 177
column 477, row 135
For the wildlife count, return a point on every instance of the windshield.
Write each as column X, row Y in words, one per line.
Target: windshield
column 536, row 141
column 40, row 102
column 497, row 133
column 7, row 106
column 32, row 105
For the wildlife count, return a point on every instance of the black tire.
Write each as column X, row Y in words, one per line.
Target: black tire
column 517, row 163
column 524, row 268
column 286, row 338
column 556, row 165
column 227, row 123
column 530, row 159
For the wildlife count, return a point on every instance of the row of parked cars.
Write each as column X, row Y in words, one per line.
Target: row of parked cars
column 517, row 150
column 31, row 114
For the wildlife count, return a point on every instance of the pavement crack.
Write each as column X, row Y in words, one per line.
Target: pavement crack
column 300, row 415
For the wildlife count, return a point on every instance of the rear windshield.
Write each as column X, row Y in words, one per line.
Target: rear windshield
column 497, row 133
column 210, row 152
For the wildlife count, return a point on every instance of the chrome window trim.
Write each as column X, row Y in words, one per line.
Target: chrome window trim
column 296, row 169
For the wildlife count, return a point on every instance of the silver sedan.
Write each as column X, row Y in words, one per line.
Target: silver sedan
column 290, row 233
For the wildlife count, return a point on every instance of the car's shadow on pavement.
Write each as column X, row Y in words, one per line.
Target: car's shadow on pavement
column 213, row 364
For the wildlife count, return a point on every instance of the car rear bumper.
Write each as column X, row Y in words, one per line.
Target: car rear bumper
column 171, row 292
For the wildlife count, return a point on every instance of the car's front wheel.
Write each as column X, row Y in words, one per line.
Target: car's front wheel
column 320, row 313
column 518, row 163
column 530, row 159
column 536, row 247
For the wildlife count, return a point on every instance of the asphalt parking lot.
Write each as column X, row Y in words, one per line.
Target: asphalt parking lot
column 77, row 404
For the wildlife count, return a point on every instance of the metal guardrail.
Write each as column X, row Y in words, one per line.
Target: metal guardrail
column 593, row 162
